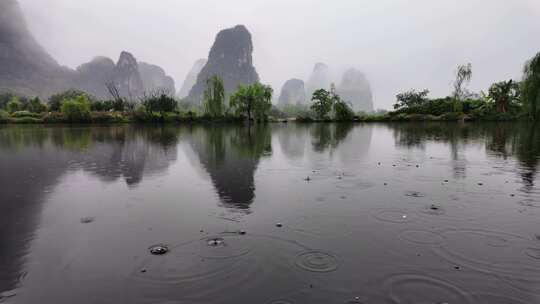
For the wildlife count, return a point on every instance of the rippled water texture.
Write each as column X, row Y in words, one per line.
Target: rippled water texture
column 286, row 213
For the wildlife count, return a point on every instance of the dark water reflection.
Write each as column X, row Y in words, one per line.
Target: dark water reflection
column 377, row 213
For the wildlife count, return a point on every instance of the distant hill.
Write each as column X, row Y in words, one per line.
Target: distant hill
column 27, row 69
column 230, row 58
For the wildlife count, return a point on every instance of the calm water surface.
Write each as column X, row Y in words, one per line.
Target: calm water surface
column 376, row 213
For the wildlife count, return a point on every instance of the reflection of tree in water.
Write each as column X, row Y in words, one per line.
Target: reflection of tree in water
column 520, row 140
column 33, row 160
column 230, row 155
column 415, row 135
column 527, row 150
column 329, row 136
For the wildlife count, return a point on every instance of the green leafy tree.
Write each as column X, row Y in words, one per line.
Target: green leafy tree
column 343, row 111
column 531, row 88
column 504, row 94
column 14, row 105
column 463, row 78
column 55, row 101
column 322, row 103
column 76, row 109
column 160, row 103
column 36, row 106
column 214, row 96
column 411, row 99
column 254, row 101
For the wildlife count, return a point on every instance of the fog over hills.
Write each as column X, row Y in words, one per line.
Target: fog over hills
column 397, row 44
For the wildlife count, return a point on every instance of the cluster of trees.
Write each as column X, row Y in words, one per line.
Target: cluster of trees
column 505, row 99
column 329, row 103
column 252, row 102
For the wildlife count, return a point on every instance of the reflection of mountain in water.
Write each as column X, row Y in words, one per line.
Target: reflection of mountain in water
column 129, row 153
column 32, row 161
column 292, row 139
column 231, row 155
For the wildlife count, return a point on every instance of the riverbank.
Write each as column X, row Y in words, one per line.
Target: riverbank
column 173, row 117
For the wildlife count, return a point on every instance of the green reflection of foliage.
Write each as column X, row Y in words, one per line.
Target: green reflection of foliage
column 519, row 140
column 18, row 136
column 329, row 136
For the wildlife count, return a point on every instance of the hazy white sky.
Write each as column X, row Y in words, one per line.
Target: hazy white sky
column 399, row 44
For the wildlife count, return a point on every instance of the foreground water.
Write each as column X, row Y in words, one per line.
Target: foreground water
column 375, row 213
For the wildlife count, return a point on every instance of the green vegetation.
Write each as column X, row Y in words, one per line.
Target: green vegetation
column 76, row 109
column 252, row 101
column 322, row 103
column 504, row 100
column 160, row 103
column 214, row 97
column 14, row 105
column 531, row 88
column 329, row 103
column 56, row 100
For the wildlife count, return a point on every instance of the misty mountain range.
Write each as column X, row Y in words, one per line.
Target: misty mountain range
column 27, row 69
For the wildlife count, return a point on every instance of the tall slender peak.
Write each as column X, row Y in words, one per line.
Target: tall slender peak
column 127, row 77
column 231, row 59
column 319, row 79
column 355, row 88
column 191, row 77
column 293, row 92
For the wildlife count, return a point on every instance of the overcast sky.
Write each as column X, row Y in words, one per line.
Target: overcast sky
column 399, row 44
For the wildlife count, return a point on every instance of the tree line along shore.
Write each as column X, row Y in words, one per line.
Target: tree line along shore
column 503, row 101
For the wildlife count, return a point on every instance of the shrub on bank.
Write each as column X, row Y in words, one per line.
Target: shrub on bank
column 26, row 120
column 4, row 116
column 21, row 114
column 54, row 117
column 77, row 109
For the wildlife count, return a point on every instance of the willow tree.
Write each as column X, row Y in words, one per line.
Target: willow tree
column 531, row 88
column 463, row 77
column 254, row 101
column 214, row 96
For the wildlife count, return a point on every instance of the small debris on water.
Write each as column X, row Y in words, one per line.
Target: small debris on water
column 214, row 242
column 512, row 195
column 446, row 181
column 87, row 219
column 143, row 270
column 379, row 163
column 457, row 267
column 434, row 207
column 242, row 232
column 307, row 179
column 404, row 216
column 385, row 184
column 279, row 225
column 480, row 184
column 159, row 249
column 417, row 166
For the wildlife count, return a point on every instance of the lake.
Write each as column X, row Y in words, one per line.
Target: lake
column 283, row 213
